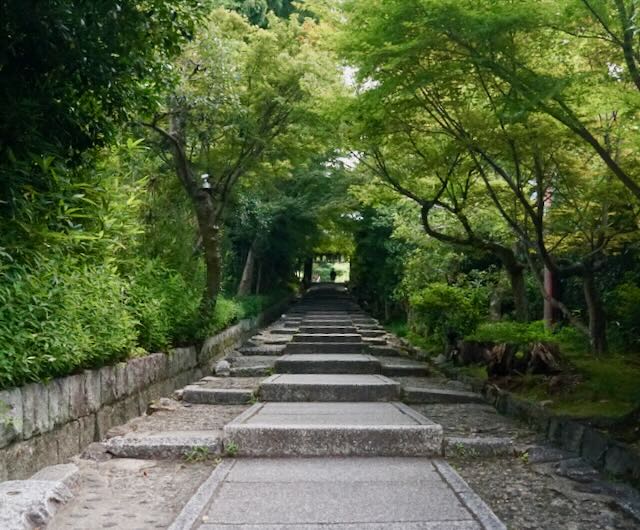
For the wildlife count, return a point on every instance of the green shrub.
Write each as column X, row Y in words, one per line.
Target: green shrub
column 444, row 312
column 61, row 316
column 624, row 308
column 165, row 305
column 512, row 332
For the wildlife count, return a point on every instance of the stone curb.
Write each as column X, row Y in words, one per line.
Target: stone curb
column 193, row 510
column 599, row 449
column 485, row 516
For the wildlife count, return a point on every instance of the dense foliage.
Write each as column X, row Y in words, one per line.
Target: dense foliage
column 101, row 249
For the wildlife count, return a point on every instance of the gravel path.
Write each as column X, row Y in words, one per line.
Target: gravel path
column 126, row 494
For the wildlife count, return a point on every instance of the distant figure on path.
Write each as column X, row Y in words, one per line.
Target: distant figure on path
column 332, row 275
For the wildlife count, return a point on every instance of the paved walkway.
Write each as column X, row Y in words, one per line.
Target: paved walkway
column 330, row 400
column 331, row 428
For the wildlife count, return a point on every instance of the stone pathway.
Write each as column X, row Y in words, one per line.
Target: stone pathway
column 331, row 428
column 329, row 403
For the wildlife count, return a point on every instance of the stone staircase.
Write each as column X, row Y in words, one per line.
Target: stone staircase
column 328, row 395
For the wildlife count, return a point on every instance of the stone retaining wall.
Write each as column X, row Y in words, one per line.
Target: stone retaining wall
column 46, row 423
column 598, row 448
column 595, row 446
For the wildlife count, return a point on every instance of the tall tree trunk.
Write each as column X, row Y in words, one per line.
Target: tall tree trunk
column 308, row 271
column 519, row 292
column 210, row 232
column 597, row 318
column 246, row 282
column 259, row 279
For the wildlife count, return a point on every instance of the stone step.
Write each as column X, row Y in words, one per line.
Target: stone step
column 166, row 444
column 427, row 395
column 327, row 337
column 325, row 347
column 333, row 429
column 326, row 322
column 402, row 367
column 263, row 349
column 388, row 351
column 283, row 331
column 216, row 396
column 311, row 330
column 374, row 341
column 364, row 321
column 372, row 332
column 327, row 363
column 328, row 387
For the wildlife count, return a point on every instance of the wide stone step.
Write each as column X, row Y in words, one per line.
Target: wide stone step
column 311, row 330
column 283, row 331
column 385, row 351
column 402, row 367
column 327, row 363
column 414, row 394
column 333, row 429
column 325, row 347
column 167, row 444
column 326, row 322
column 327, row 337
column 328, row 387
column 216, row 396
column 263, row 349
column 372, row 332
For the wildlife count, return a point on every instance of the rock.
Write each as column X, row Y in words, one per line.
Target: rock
column 30, row 503
column 97, row 452
column 177, row 394
column 223, row 368
column 440, row 359
column 163, row 403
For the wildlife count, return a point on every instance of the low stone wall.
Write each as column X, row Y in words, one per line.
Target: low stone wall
column 46, row 423
column 595, row 446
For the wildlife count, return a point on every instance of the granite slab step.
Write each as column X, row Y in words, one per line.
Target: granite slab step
column 372, row 332
column 310, row 330
column 428, row 395
column 333, row 429
column 403, row 367
column 263, row 349
column 327, row 337
column 216, row 396
column 327, row 363
column 325, row 347
column 384, row 351
column 328, row 387
column 283, row 331
column 327, row 322
column 167, row 444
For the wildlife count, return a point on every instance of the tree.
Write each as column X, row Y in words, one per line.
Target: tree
column 72, row 73
column 245, row 92
column 439, row 72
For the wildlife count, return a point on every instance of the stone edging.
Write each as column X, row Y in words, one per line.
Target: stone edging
column 47, row 423
column 469, row 498
column 194, row 509
column 596, row 447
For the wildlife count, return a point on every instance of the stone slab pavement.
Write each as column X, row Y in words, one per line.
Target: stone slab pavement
column 335, row 493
